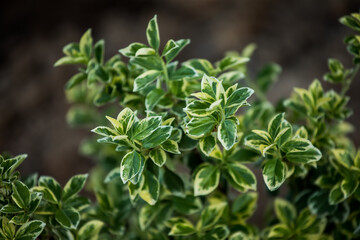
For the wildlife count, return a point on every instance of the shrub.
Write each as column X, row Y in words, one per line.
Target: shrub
column 174, row 162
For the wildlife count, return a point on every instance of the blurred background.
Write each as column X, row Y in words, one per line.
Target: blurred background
column 298, row 35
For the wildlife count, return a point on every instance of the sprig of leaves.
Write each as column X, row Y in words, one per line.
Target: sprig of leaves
column 282, row 150
column 210, row 118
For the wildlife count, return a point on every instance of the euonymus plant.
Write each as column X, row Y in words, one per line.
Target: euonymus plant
column 177, row 144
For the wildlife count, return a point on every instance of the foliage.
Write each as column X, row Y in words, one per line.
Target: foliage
column 177, row 161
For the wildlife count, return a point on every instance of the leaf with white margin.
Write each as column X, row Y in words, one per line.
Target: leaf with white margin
column 206, row 179
column 131, row 165
column 274, row 173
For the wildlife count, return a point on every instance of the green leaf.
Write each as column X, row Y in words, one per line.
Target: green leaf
column 103, row 200
column 68, row 218
column 174, row 51
column 267, row 76
column 30, row 230
column 239, row 236
column 183, row 72
column 199, row 127
column 160, row 135
column 52, row 185
column 203, row 96
column 260, row 141
column 203, row 66
column 77, row 202
column 74, row 185
column 48, row 195
column 21, row 194
column 220, row 232
column 152, row 34
column 241, row 176
column 211, row 215
column 151, row 62
column 319, row 205
column 209, row 85
column 9, row 165
column 74, row 80
column 125, row 120
column 145, row 52
column 231, row 62
column 227, row 131
column 336, row 195
column 239, row 97
column 104, row 131
column 285, row 211
column 206, row 179
column 131, row 50
column 182, row 229
column 207, row 144
column 305, row 219
column 103, row 74
column 153, row 97
column 8, row 229
column 284, row 135
column 147, row 215
column 231, row 77
column 151, row 188
column 186, row 205
column 85, row 44
column 70, row 60
column 113, row 174
column 146, row 127
column 199, row 109
column 274, row 126
column 351, row 22
column 99, row 51
column 348, row 186
column 144, row 79
column 131, row 166
column 169, row 47
column 244, row 206
column 11, row 209
column 90, row 230
column 243, row 155
column 71, row 49
column 170, row 146
column 274, row 173
column 299, row 150
column 279, row 231
column 158, row 156
column 173, row 183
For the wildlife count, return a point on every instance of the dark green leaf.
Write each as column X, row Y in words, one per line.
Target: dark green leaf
column 160, row 135
column 152, row 34
column 274, row 173
column 74, row 185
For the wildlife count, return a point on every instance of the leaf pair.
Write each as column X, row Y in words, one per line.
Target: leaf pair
column 30, row 230
column 207, row 177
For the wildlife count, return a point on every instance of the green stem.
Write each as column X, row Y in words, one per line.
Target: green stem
column 133, row 146
column 348, row 82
